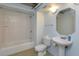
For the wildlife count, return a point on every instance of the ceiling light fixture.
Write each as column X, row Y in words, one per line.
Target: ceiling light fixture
column 53, row 8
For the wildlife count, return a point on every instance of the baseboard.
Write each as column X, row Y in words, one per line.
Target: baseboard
column 14, row 49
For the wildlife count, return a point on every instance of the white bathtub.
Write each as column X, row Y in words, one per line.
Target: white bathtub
column 16, row 48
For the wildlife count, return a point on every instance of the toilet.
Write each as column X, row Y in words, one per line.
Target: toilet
column 41, row 48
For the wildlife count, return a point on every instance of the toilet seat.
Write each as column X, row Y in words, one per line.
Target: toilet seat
column 40, row 47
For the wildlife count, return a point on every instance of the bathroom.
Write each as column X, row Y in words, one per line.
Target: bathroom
column 25, row 25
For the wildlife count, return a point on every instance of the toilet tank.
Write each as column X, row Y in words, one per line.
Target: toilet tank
column 46, row 40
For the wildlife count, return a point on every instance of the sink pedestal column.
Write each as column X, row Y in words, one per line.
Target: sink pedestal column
column 61, row 50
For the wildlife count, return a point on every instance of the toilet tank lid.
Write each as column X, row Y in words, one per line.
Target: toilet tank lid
column 46, row 37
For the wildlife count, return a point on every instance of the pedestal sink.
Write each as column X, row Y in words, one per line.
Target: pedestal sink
column 61, row 44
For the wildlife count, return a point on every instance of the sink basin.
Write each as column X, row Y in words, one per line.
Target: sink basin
column 60, row 41
column 61, row 44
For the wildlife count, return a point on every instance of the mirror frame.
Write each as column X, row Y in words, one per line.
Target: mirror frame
column 59, row 10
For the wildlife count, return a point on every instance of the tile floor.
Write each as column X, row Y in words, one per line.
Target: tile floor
column 30, row 52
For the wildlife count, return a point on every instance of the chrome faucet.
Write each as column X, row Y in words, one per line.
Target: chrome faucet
column 69, row 38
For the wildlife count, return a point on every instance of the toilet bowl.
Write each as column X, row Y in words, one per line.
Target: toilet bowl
column 41, row 48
